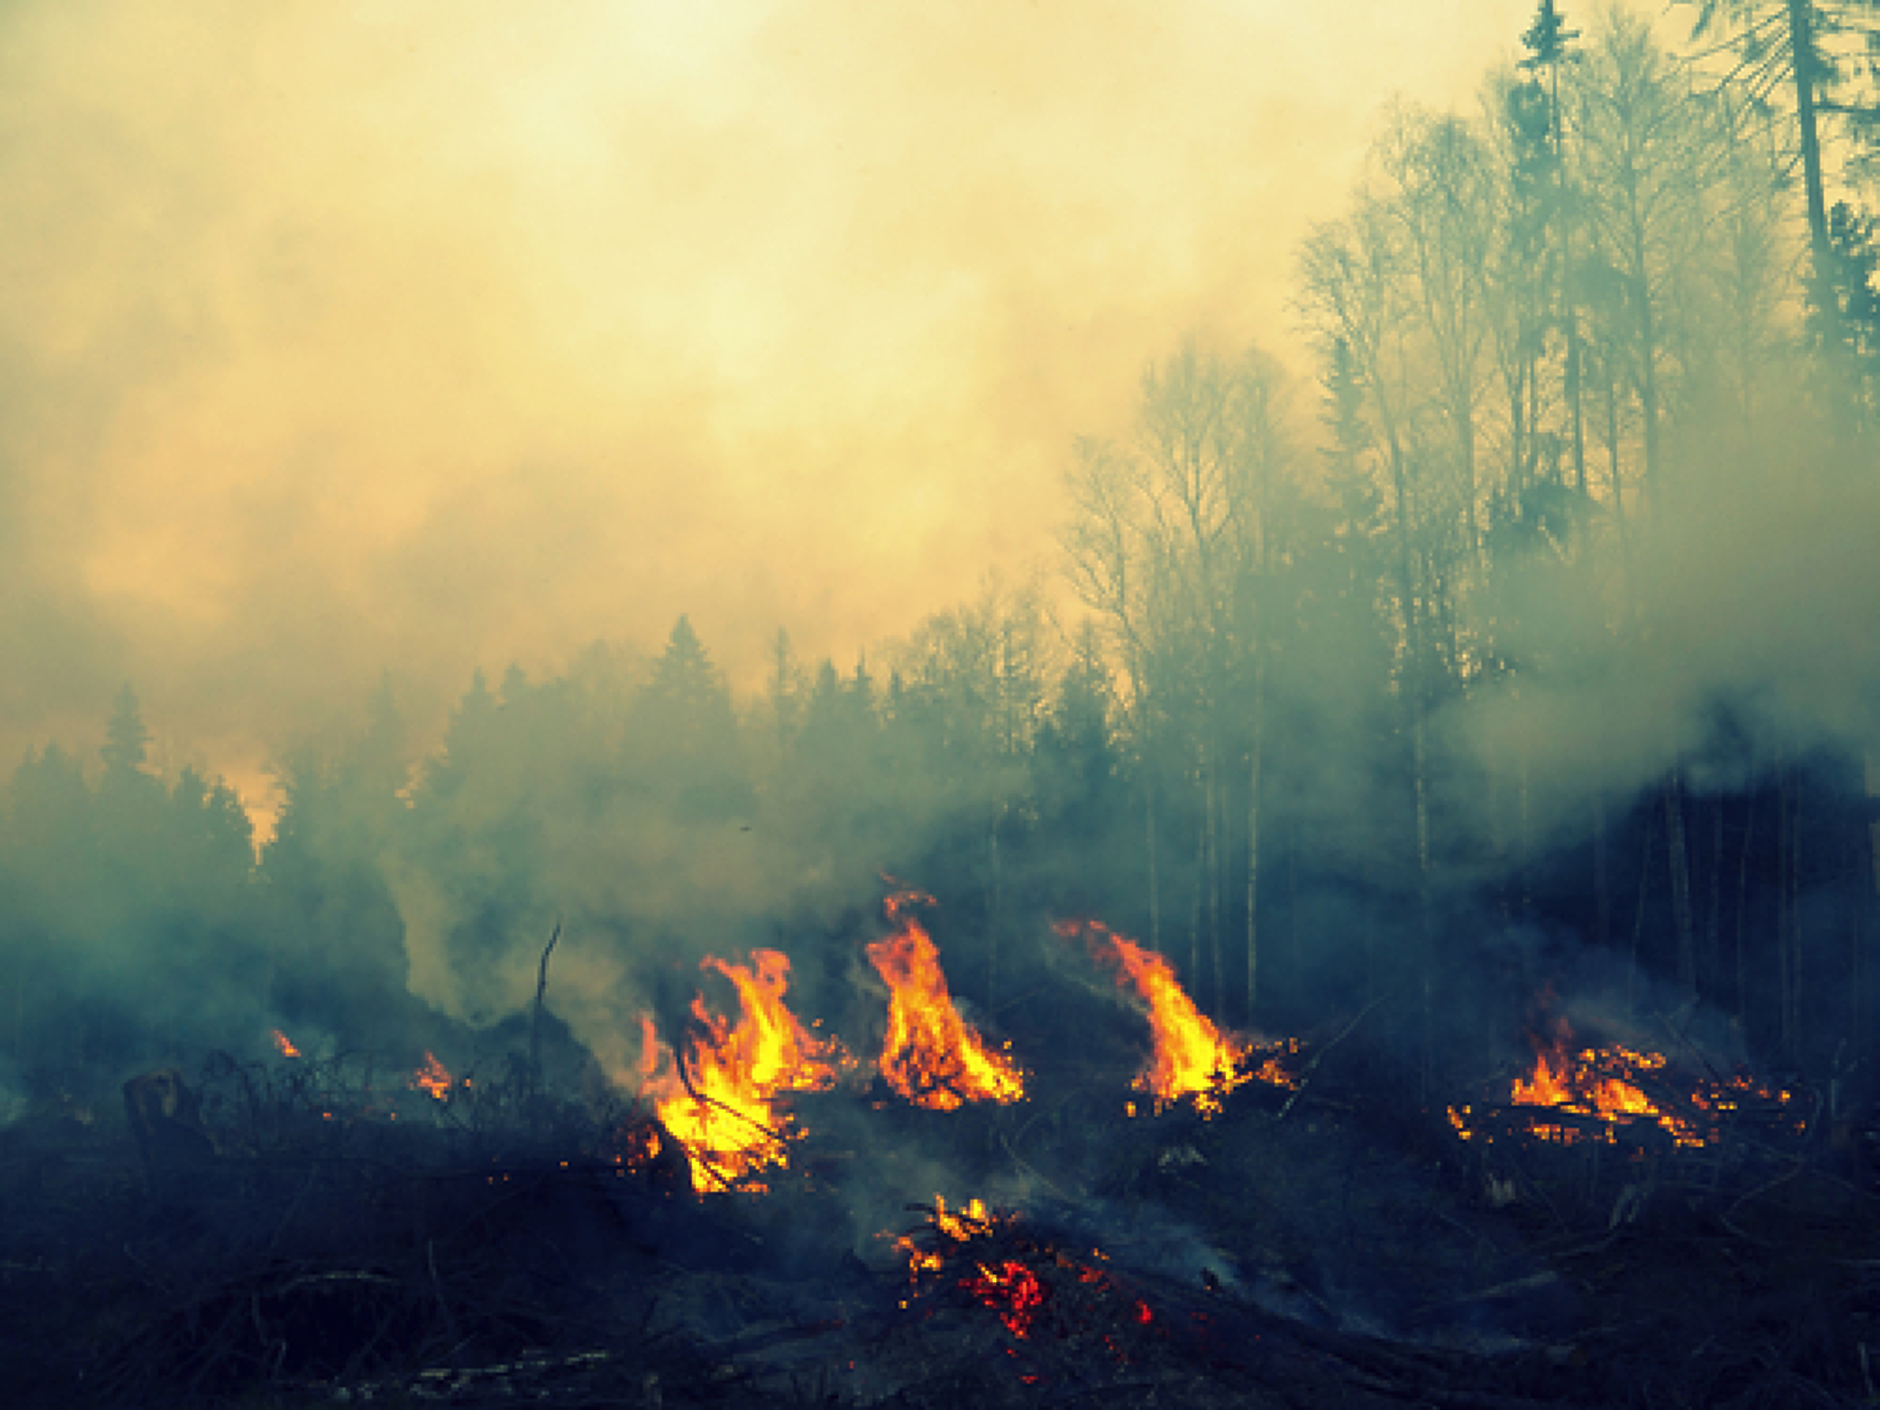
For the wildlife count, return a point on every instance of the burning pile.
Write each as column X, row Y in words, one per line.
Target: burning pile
column 1597, row 1094
column 1037, row 1289
column 723, row 1101
column 931, row 1055
column 433, row 1077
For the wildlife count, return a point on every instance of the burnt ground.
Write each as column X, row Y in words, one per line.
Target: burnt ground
column 1335, row 1246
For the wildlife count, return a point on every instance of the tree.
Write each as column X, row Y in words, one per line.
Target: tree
column 1819, row 54
column 1175, row 533
column 1549, row 45
column 1651, row 156
column 126, row 739
column 1844, row 313
column 682, row 741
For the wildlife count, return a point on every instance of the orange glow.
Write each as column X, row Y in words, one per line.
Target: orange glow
column 1607, row 1084
column 1013, row 1289
column 285, row 1044
column 931, row 1055
column 953, row 1228
column 1596, row 1082
column 725, row 1108
column 991, row 1257
column 433, row 1077
column 1191, row 1057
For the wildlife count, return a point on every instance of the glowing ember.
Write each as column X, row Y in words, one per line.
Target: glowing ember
column 285, row 1044
column 1038, row 1289
column 1013, row 1289
column 931, row 1055
column 724, row 1108
column 433, row 1077
column 1191, row 1057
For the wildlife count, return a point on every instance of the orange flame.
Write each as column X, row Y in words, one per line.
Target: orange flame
column 724, row 1110
column 433, row 1077
column 931, row 1055
column 953, row 1227
column 285, row 1044
column 1191, row 1057
column 1596, row 1082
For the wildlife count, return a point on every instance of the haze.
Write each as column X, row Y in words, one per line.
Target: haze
column 340, row 338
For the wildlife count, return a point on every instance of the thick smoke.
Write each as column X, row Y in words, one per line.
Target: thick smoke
column 333, row 340
column 1750, row 590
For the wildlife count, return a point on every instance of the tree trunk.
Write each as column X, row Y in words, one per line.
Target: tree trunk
column 1802, row 69
column 1155, row 876
column 1713, row 924
column 1602, row 882
column 1638, row 925
column 1216, row 878
column 995, row 905
column 1677, row 857
column 1742, row 914
column 1258, row 707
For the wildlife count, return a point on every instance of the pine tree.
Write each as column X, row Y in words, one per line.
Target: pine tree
column 126, row 739
column 1819, row 54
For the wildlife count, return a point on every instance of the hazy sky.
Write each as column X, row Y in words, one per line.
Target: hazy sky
column 344, row 336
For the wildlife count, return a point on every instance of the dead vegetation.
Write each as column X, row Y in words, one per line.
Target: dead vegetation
column 1326, row 1246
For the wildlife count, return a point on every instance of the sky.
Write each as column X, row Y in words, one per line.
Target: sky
column 342, row 338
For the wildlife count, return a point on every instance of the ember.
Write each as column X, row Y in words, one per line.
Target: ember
column 931, row 1055
column 1037, row 1289
column 285, row 1044
column 1013, row 1289
column 723, row 1107
column 1191, row 1057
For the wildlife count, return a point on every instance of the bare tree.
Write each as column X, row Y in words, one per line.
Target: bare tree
column 1172, row 536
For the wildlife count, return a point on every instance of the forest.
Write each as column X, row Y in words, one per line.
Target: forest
column 1524, row 640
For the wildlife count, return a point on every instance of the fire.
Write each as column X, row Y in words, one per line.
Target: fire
column 931, row 1055
column 1191, row 1056
column 433, row 1077
column 1609, row 1086
column 952, row 1228
column 285, row 1044
column 1011, row 1288
column 1038, row 1289
column 724, row 1106
column 1597, row 1082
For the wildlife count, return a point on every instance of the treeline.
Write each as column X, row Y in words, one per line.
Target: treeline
column 1523, row 651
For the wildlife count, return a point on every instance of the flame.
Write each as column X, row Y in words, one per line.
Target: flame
column 931, row 1055
column 724, row 1109
column 433, row 1077
column 953, row 1228
column 1596, row 1082
column 1191, row 1057
column 1607, row 1084
column 285, row 1044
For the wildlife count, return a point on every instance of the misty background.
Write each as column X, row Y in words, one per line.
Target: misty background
column 1373, row 505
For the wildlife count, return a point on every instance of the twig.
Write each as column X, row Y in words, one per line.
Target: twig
column 1306, row 1072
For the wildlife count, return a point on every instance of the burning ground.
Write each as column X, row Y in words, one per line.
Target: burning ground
column 1111, row 1198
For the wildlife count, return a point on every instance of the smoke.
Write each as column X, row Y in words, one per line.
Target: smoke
column 335, row 340
column 1728, row 636
column 14, row 1101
